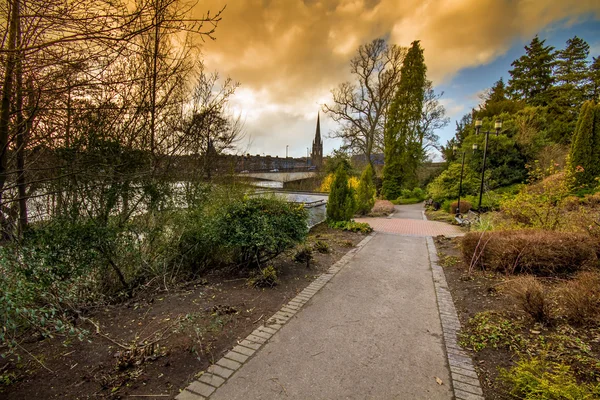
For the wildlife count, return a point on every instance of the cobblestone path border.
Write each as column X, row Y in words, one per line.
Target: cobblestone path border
column 465, row 381
column 216, row 375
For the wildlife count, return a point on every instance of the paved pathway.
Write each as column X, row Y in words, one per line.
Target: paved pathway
column 408, row 220
column 372, row 332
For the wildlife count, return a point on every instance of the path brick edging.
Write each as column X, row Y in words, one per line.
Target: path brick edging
column 216, row 375
column 465, row 380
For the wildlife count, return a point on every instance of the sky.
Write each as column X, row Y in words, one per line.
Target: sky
column 289, row 54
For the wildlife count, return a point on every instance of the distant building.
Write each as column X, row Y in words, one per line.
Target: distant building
column 317, row 146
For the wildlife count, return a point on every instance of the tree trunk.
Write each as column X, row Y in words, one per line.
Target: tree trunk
column 7, row 89
column 21, row 183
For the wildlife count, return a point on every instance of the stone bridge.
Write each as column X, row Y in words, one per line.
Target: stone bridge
column 283, row 176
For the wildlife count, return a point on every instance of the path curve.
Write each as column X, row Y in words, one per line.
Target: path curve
column 408, row 220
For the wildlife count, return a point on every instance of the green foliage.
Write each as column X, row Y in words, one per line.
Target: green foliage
column 337, row 160
column 263, row 277
column 403, row 140
column 537, row 378
column 584, row 157
column 257, row 229
column 407, row 196
column 531, row 76
column 491, row 330
column 410, row 200
column 341, row 204
column 539, row 205
column 304, row 254
column 352, row 226
column 446, row 185
column 322, row 247
column 365, row 194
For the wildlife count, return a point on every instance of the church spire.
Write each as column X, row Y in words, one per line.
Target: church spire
column 317, row 147
column 318, row 134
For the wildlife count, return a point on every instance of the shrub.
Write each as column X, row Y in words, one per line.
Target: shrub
column 365, row 194
column 304, row 254
column 531, row 296
column 537, row 378
column 536, row 252
column 579, row 298
column 405, row 194
column 418, row 193
column 382, row 208
column 258, row 229
column 446, row 185
column 352, row 226
column 465, row 206
column 410, row 200
column 322, row 247
column 353, row 182
column 539, row 205
column 264, row 277
column 341, row 204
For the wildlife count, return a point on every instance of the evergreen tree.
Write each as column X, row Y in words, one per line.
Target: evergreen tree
column 341, row 204
column 594, row 89
column 572, row 73
column 531, row 76
column 497, row 92
column 584, row 156
column 403, row 152
column 365, row 194
column 497, row 101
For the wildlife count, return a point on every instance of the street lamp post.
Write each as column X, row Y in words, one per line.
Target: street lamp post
column 497, row 126
column 286, row 156
column 462, row 170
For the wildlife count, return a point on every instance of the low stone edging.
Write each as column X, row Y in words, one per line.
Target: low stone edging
column 465, row 381
column 216, row 375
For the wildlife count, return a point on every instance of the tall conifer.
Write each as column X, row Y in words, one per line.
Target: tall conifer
column 531, row 77
column 584, row 156
column 403, row 151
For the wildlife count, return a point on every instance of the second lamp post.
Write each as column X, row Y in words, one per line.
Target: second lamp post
column 498, row 127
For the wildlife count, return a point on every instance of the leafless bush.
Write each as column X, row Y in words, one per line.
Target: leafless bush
column 532, row 297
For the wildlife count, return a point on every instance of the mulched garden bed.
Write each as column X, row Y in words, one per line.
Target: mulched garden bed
column 153, row 345
column 517, row 336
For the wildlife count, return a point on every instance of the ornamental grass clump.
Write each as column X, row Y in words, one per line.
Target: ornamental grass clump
column 537, row 252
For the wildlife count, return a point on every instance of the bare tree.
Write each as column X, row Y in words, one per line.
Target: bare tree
column 433, row 118
column 361, row 107
column 208, row 128
column 68, row 65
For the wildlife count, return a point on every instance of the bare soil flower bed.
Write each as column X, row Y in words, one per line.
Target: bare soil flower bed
column 155, row 343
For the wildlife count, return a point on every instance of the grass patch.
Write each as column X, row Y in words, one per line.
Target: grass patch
column 491, row 330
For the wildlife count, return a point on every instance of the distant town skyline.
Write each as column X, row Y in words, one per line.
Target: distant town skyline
column 288, row 55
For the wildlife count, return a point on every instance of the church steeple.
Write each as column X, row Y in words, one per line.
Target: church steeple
column 317, row 147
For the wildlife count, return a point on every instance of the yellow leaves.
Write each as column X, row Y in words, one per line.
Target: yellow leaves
column 328, row 181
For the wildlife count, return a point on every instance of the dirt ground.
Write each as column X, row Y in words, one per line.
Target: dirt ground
column 482, row 291
column 154, row 344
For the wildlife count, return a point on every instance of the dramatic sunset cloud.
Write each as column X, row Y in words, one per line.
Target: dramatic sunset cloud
column 288, row 54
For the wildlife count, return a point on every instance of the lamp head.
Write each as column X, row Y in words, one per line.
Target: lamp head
column 475, row 147
column 478, row 123
column 498, row 124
